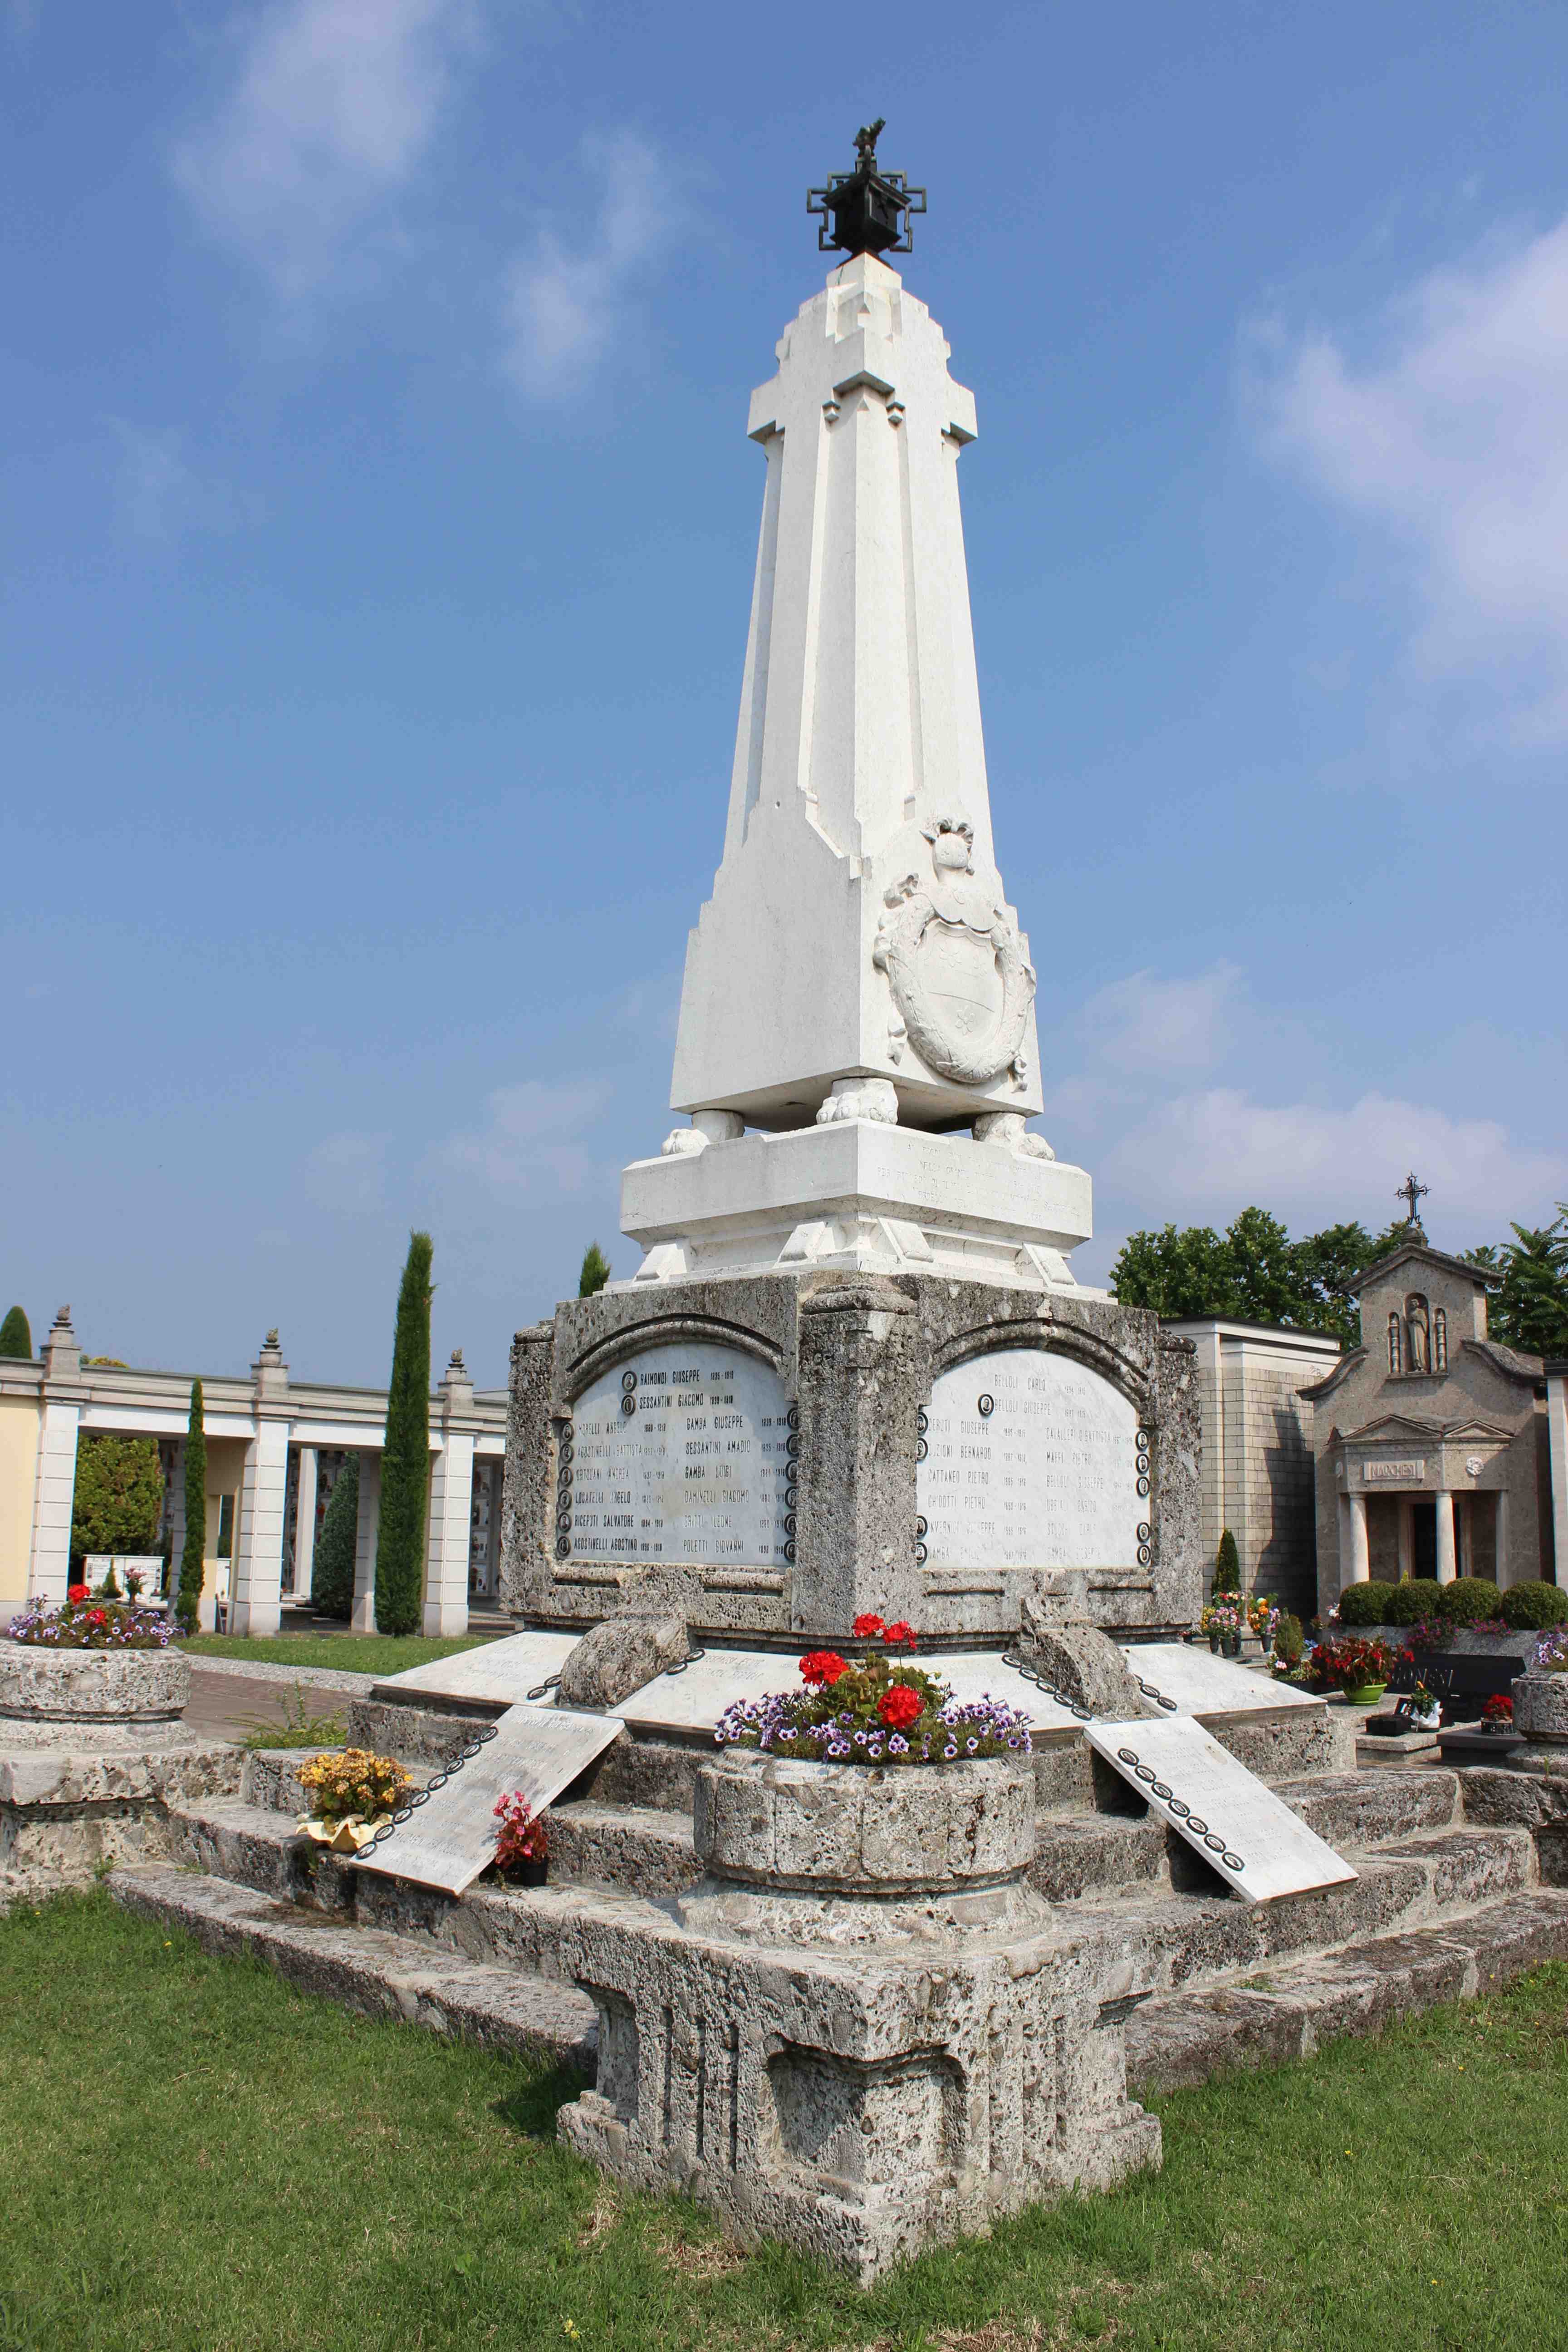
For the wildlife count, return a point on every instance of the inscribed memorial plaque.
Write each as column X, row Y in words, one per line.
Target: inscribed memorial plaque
column 1246, row 1832
column 685, row 1453
column 1032, row 1460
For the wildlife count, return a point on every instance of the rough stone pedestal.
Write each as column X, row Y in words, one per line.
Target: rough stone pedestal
column 861, row 2032
column 39, row 1684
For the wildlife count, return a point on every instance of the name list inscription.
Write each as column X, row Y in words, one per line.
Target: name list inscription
column 685, row 1453
column 1033, row 1461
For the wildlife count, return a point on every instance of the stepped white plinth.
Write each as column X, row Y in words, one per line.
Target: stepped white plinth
column 860, row 1195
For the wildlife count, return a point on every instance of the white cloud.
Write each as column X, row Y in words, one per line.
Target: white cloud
column 1456, row 440
column 531, row 1133
column 332, row 105
column 1147, row 1024
column 162, row 497
column 1212, row 1153
column 562, row 309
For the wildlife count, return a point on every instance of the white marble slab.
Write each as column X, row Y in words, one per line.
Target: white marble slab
column 449, row 1838
column 506, row 1670
column 684, row 1452
column 1250, row 1836
column 1202, row 1684
column 1030, row 1460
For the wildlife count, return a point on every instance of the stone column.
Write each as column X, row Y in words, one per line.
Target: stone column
column 1360, row 1554
column 1447, row 1565
column 54, row 1485
column 1406, row 1534
column 256, row 1576
column 864, row 1377
column 451, row 1508
column 1502, row 1564
column 305, row 1524
column 364, row 1548
column 1557, row 1435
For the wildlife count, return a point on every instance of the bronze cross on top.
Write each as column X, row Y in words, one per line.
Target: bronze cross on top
column 1412, row 1191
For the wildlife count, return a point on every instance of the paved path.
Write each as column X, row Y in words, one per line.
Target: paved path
column 226, row 1705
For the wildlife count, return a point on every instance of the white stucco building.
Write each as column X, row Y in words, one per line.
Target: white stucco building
column 273, row 1446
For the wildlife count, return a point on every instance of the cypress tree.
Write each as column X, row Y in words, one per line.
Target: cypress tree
column 193, row 1559
column 1226, row 1565
column 595, row 1271
column 332, row 1575
column 15, row 1339
column 405, row 1460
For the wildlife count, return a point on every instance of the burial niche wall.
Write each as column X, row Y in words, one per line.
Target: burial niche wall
column 1030, row 1459
column 684, row 1452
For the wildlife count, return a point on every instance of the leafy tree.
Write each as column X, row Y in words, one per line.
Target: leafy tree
column 405, row 1462
column 1226, row 1565
column 1531, row 1310
column 119, row 1499
column 1254, row 1272
column 193, row 1558
column 15, row 1339
column 333, row 1573
column 595, row 1271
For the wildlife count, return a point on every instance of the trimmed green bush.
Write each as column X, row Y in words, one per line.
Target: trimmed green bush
column 1289, row 1640
column 192, row 1557
column 1226, row 1565
column 1467, row 1600
column 118, row 1499
column 15, row 1339
column 1364, row 1604
column 1412, row 1601
column 333, row 1571
column 595, row 1271
column 406, row 1462
column 1534, row 1605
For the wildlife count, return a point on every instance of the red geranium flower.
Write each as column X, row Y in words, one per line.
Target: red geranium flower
column 75, row 1592
column 98, row 1616
column 899, row 1706
column 822, row 1668
column 865, row 1629
column 1499, row 1709
column 900, row 1636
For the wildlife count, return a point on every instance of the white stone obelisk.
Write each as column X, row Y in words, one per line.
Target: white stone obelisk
column 857, row 989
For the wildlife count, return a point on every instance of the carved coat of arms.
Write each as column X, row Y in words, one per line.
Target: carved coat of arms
column 961, row 985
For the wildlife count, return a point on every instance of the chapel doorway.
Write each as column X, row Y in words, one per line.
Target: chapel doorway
column 1424, row 1538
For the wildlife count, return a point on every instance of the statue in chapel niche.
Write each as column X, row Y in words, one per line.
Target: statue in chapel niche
column 1419, row 1334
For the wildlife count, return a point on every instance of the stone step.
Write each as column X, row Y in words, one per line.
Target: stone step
column 635, row 1846
column 366, row 1969
column 1291, row 2011
column 1169, row 1938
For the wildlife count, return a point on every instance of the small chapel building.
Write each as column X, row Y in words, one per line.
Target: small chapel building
column 1430, row 1440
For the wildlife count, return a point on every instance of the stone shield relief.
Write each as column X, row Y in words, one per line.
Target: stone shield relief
column 960, row 982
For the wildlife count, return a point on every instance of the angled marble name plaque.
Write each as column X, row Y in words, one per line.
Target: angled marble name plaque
column 449, row 1838
column 1250, row 1836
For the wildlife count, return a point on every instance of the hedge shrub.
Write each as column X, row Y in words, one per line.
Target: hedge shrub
column 1365, row 1605
column 1226, row 1565
column 1467, row 1600
column 1412, row 1601
column 1289, row 1640
column 332, row 1568
column 1534, row 1605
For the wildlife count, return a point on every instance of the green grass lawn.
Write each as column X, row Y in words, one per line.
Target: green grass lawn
column 196, row 2157
column 358, row 1653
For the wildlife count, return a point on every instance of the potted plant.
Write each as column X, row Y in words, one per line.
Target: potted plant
column 1421, row 1708
column 355, row 1793
column 1497, row 1715
column 874, row 1710
column 1221, row 1620
column 1541, row 1693
column 523, row 1842
column 1361, row 1669
column 1263, row 1616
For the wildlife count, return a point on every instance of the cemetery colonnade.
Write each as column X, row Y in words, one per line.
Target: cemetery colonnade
column 274, row 1447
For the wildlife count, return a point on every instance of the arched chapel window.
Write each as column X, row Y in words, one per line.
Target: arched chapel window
column 1417, row 1333
column 1439, row 1340
column 1396, row 1349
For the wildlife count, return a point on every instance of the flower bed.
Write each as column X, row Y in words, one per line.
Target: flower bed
column 82, row 1623
column 874, row 1710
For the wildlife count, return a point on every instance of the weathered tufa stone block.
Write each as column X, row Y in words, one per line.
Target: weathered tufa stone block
column 42, row 1685
column 1085, row 1666
column 619, row 1656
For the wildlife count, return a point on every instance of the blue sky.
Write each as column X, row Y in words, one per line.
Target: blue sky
column 378, row 521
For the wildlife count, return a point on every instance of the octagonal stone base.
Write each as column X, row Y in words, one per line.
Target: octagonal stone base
column 1541, row 1708
column 40, row 1685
